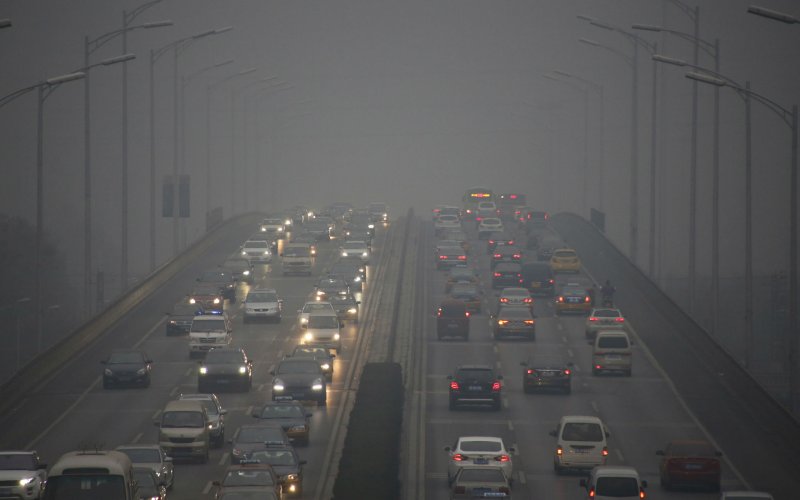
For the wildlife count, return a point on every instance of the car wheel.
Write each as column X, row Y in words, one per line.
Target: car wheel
column 146, row 383
column 557, row 469
column 106, row 384
column 278, row 319
column 204, row 458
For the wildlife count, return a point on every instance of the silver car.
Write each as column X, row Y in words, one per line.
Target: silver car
column 263, row 303
column 152, row 457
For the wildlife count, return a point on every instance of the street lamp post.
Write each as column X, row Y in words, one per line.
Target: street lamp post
column 89, row 47
column 790, row 117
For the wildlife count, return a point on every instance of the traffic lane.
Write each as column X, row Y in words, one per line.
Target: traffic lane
column 40, row 409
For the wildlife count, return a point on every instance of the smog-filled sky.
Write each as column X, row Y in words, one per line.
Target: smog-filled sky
column 406, row 102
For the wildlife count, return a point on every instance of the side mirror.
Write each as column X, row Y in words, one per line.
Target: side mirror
column 280, row 254
column 449, row 377
column 583, row 483
column 148, row 361
column 309, row 415
column 272, row 372
column 216, row 483
column 302, row 462
column 523, row 363
column 103, row 362
column 223, row 412
column 553, row 433
column 255, row 415
column 42, row 466
column 447, row 449
column 157, row 423
column 304, row 325
column 512, row 450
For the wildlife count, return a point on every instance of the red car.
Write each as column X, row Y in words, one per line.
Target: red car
column 690, row 463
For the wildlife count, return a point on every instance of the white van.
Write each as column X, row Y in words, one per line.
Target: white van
column 581, row 443
column 87, row 475
column 184, row 430
column 614, row 482
column 612, row 352
column 296, row 259
column 323, row 329
column 208, row 331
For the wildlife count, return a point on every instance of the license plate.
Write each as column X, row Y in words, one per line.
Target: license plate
column 535, row 284
column 283, row 398
column 222, row 381
column 5, row 491
column 452, row 325
column 580, row 451
column 613, row 357
column 481, row 461
column 475, row 388
column 547, row 374
column 693, row 466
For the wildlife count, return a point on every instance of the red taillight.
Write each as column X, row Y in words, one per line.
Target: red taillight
column 519, row 275
column 495, row 386
column 497, row 256
column 529, row 321
column 619, row 320
column 453, row 385
column 439, row 312
column 462, row 257
column 560, row 299
column 504, row 299
column 502, row 458
column 642, row 494
column 546, row 216
column 491, row 242
column 458, row 457
column 605, row 451
column 551, row 281
column 497, row 275
column 587, row 299
column 591, row 493
column 442, row 257
column 567, row 371
column 516, row 256
column 502, row 322
column 559, row 450
column 531, row 372
column 527, row 300
column 466, row 314
column 592, row 318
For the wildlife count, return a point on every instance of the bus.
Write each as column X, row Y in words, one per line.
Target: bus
column 472, row 197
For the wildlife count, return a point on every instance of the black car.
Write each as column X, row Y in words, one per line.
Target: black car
column 538, row 278
column 225, row 367
column 249, row 438
column 331, row 285
column 547, row 371
column 223, row 279
column 286, row 464
column 322, row 354
column 292, row 416
column 507, row 274
column 240, row 268
column 180, row 319
column 506, row 253
column 475, row 385
column 351, row 271
column 355, row 261
column 346, row 307
column 126, row 367
column 452, row 319
column 498, row 239
column 298, row 379
column 149, row 485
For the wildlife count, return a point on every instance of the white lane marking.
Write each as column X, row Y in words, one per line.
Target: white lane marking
column 223, row 459
column 499, row 364
column 570, row 353
column 511, row 426
column 174, row 390
column 495, row 348
column 156, row 415
column 505, row 402
column 521, row 477
column 260, row 387
column 188, row 371
column 564, row 339
column 250, row 410
column 207, row 488
column 577, row 368
column 559, row 326
column 137, row 438
column 594, row 407
column 619, row 454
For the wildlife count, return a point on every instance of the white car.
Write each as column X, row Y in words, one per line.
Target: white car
column 355, row 248
column 488, row 226
column 486, row 209
column 313, row 307
column 323, row 329
column 257, row 251
column 209, row 331
column 515, row 297
column 444, row 222
column 262, row 303
column 580, row 443
column 478, row 451
column 273, row 226
column 614, row 482
column 603, row 318
column 22, row 475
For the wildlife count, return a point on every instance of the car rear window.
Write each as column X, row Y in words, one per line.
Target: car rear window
column 453, row 309
column 691, row 449
column 615, row 342
column 606, row 313
column 484, row 446
column 617, row 487
column 478, row 374
column 582, row 431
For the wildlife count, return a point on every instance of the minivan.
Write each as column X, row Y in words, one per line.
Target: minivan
column 323, row 329
column 184, row 430
column 612, row 352
column 452, row 319
column 580, row 443
column 538, row 278
column 615, row 482
column 79, row 475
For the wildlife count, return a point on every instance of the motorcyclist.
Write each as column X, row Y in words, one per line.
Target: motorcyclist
column 607, row 292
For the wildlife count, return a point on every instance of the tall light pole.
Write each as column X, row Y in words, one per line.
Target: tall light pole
column 44, row 89
column 794, row 338
column 155, row 55
column 789, row 116
column 89, row 47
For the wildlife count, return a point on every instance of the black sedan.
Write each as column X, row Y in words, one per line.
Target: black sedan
column 547, row 371
column 321, row 354
column 249, row 438
column 331, row 285
column 126, row 367
column 298, row 379
column 475, row 385
column 507, row 274
column 346, row 307
column 181, row 316
column 286, row 464
column 225, row 367
column 291, row 415
column 506, row 253
column 222, row 279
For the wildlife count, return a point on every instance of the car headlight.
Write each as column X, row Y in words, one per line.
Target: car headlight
column 335, row 336
column 244, row 253
column 266, row 252
column 344, row 254
column 287, row 222
column 216, row 300
column 25, row 481
column 352, row 310
column 280, row 229
column 108, row 372
column 277, row 385
column 203, row 370
column 242, row 370
column 291, row 477
column 308, row 336
column 325, row 366
column 263, row 229
column 141, row 371
column 364, row 254
column 246, row 273
column 320, row 292
column 357, row 279
column 173, row 322
column 303, row 321
column 371, row 226
column 316, row 385
column 192, row 301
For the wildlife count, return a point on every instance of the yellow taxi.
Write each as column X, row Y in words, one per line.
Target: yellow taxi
column 574, row 298
column 565, row 260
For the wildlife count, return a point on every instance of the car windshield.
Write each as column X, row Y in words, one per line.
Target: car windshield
column 354, row 245
column 316, row 306
column 125, row 357
column 689, row 449
column 299, row 367
column 256, row 244
column 464, row 292
column 582, row 431
column 259, row 435
column 206, row 290
column 142, row 455
column 612, row 342
column 482, row 446
column 145, row 478
column 17, row 461
column 193, row 419
column 479, row 375
column 208, row 325
column 607, row 313
column 323, row 322
column 515, row 313
column 448, row 218
column 248, row 478
column 85, row 486
column 617, row 487
column 273, row 457
column 482, row 475
column 297, row 252
column 310, row 352
column 219, row 356
column 282, row 411
column 262, row 297
column 210, row 406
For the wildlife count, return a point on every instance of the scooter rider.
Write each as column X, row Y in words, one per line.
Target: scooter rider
column 607, row 292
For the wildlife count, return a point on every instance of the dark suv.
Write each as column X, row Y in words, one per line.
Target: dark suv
column 546, row 371
column 452, row 319
column 475, row 385
column 507, row 274
column 538, row 278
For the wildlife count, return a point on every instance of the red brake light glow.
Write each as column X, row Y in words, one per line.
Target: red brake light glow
column 458, row 457
column 497, row 255
column 497, row 275
column 561, row 299
column 567, row 371
column 502, row 458
column 495, row 386
column 529, row 322
column 592, row 318
column 466, row 314
column 503, row 299
column 619, row 320
column 453, row 385
column 530, row 372
column 605, row 451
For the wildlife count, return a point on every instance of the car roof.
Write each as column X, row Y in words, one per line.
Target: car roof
column 475, row 367
column 481, row 438
column 566, row 419
column 515, row 290
column 615, row 470
column 138, row 446
column 612, row 333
